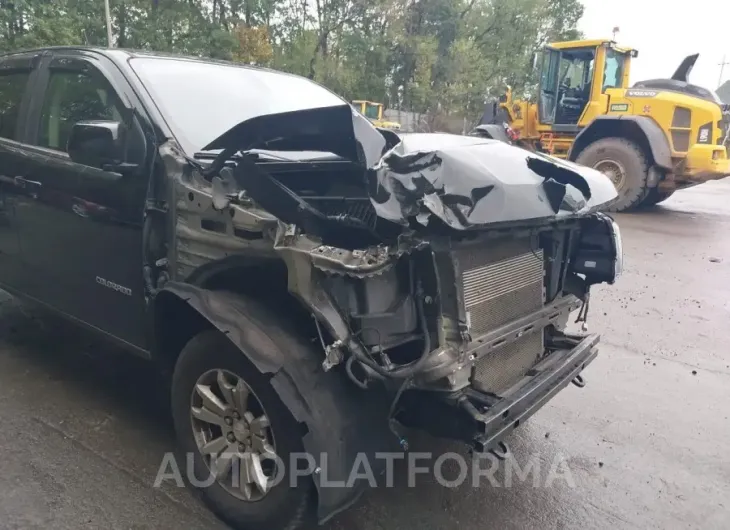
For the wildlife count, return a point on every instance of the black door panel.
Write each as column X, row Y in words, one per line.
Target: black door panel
column 16, row 73
column 80, row 227
column 12, row 163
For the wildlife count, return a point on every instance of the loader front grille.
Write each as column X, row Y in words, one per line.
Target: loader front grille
column 501, row 283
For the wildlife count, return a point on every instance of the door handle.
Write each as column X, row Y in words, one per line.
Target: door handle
column 23, row 182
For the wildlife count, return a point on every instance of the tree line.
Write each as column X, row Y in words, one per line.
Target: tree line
column 438, row 58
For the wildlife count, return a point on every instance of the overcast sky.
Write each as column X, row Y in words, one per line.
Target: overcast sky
column 665, row 35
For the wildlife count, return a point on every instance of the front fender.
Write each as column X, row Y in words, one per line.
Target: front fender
column 341, row 420
column 641, row 129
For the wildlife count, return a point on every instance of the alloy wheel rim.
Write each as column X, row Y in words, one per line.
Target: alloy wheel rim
column 614, row 171
column 233, row 434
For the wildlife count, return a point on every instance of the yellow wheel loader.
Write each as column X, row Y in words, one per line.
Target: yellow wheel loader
column 374, row 112
column 650, row 139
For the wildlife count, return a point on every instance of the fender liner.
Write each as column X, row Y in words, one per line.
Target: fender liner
column 342, row 421
column 641, row 129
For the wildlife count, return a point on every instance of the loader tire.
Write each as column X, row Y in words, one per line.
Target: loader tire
column 655, row 196
column 625, row 164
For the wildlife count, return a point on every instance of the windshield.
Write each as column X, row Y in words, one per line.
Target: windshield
column 200, row 101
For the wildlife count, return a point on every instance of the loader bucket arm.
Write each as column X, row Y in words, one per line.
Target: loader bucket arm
column 685, row 68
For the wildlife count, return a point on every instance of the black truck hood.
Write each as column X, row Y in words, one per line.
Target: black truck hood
column 464, row 181
column 338, row 129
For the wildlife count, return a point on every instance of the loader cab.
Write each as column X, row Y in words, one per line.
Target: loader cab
column 574, row 78
column 372, row 111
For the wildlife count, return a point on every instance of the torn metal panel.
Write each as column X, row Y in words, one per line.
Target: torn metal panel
column 358, row 263
column 468, row 182
column 304, row 282
column 343, row 230
column 337, row 129
column 202, row 233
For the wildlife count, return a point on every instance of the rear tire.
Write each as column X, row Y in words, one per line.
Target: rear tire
column 625, row 164
column 281, row 507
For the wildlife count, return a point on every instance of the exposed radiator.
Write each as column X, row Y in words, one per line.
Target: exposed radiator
column 501, row 283
column 503, row 367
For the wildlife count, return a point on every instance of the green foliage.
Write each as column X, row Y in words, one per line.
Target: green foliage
column 435, row 57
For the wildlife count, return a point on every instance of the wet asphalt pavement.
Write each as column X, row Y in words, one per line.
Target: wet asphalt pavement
column 646, row 443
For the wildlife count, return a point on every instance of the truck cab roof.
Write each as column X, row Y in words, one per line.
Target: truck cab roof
column 121, row 55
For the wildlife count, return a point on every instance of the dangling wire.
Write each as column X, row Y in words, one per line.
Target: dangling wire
column 583, row 314
column 393, row 411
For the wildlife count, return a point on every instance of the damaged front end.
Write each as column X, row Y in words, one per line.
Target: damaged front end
column 441, row 267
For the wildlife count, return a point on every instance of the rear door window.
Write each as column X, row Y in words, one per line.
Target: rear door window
column 12, row 88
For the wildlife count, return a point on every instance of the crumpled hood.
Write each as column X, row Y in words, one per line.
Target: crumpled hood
column 467, row 182
column 338, row 129
column 464, row 181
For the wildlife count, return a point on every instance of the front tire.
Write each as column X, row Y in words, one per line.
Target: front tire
column 211, row 382
column 625, row 164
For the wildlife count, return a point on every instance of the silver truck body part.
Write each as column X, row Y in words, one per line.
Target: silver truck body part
column 469, row 182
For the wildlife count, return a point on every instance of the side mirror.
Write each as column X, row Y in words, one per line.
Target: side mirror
column 97, row 143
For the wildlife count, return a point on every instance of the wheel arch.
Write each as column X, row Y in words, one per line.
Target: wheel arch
column 641, row 130
column 176, row 320
column 324, row 402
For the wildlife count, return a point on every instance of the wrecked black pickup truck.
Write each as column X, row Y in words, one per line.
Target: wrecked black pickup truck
column 314, row 286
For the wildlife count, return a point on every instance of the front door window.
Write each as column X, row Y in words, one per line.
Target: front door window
column 73, row 97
